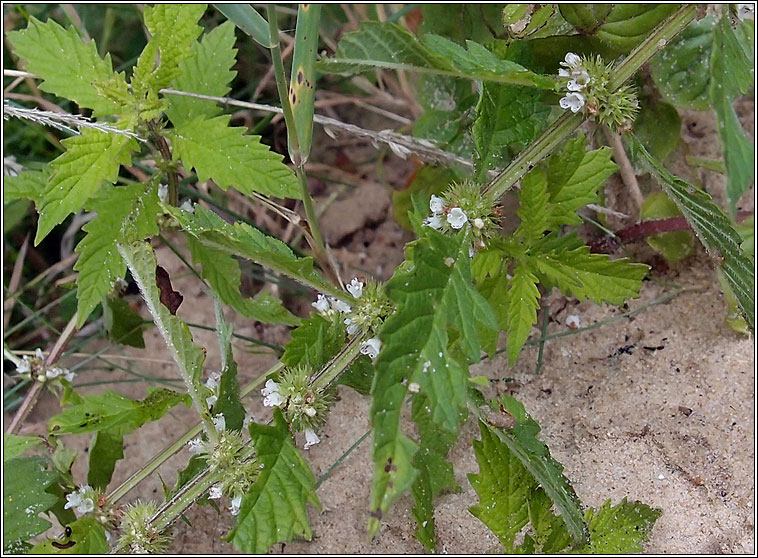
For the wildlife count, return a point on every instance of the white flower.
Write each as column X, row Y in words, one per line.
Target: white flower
column 413, row 387
column 24, row 366
column 457, row 218
column 745, row 11
column 187, row 206
column 479, row 223
column 321, row 304
column 436, row 204
column 352, row 328
column 211, row 401
column 355, row 288
column 573, row 321
column 572, row 62
column 212, row 382
column 271, row 395
column 310, row 411
column 38, row 353
column 219, row 422
column 340, row 306
column 196, row 445
column 580, row 80
column 236, row 503
column 215, row 492
column 435, row 221
column 573, row 101
column 69, row 375
column 79, row 502
column 163, row 192
column 311, row 439
column 371, row 347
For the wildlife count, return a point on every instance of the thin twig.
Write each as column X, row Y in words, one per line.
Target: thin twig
column 625, row 168
column 15, row 280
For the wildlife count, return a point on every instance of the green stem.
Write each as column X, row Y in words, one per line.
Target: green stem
column 339, row 363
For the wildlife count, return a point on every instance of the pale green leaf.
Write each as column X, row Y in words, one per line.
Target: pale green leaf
column 28, row 184
column 140, row 259
column 112, row 410
column 250, row 21
column 206, row 71
column 274, row 509
column 24, row 497
column 582, row 274
column 522, row 303
column 434, row 295
column 87, row 536
column 14, row 445
column 619, row 529
column 244, row 241
column 123, row 213
column 222, row 272
column 232, row 159
column 91, row 159
column 387, row 45
column 713, row 229
column 68, row 66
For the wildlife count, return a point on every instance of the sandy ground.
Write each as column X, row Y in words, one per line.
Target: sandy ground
column 657, row 407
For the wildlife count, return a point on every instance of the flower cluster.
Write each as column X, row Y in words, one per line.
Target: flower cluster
column 138, row 533
column 33, row 368
column 305, row 407
column 461, row 205
column 588, row 89
column 82, row 500
column 212, row 384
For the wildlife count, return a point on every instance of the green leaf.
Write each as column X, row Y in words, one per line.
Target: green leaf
column 228, row 403
column 87, row 537
column 223, row 274
column 14, row 445
column 433, row 295
column 387, row 45
column 28, row 184
column 619, row 529
column 206, row 71
column 461, row 22
column 107, row 447
column 232, row 159
column 24, row 497
column 302, row 89
column 732, row 71
column 503, row 486
column 535, row 209
column 579, row 273
column 68, row 66
column 713, row 229
column 682, row 70
column 673, row 246
column 123, row 324
column 91, row 159
column 522, row 442
column 123, row 213
column 274, row 509
column 314, row 343
column 507, row 119
column 140, row 259
column 112, row 410
column 658, row 127
column 435, row 472
column 549, row 530
column 244, row 241
column 429, row 180
column 249, row 20
column 174, row 29
column 522, row 303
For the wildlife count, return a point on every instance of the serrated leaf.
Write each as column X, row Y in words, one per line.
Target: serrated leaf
column 581, row 274
column 507, row 119
column 68, row 66
column 91, row 159
column 535, row 209
column 28, row 184
column 24, row 482
column 435, row 471
column 433, row 295
column 107, row 447
column 206, row 71
column 682, row 70
column 246, row 242
column 619, row 529
column 174, row 28
column 232, row 159
column 223, row 274
column 123, row 213
column 87, row 536
column 140, row 259
column 549, row 530
column 387, row 45
column 713, row 229
column 314, row 343
column 523, row 443
column 521, row 303
column 274, row 509
column 14, row 445
column 503, row 486
column 112, row 410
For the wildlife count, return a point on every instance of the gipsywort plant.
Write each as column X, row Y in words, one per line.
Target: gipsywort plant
column 410, row 340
